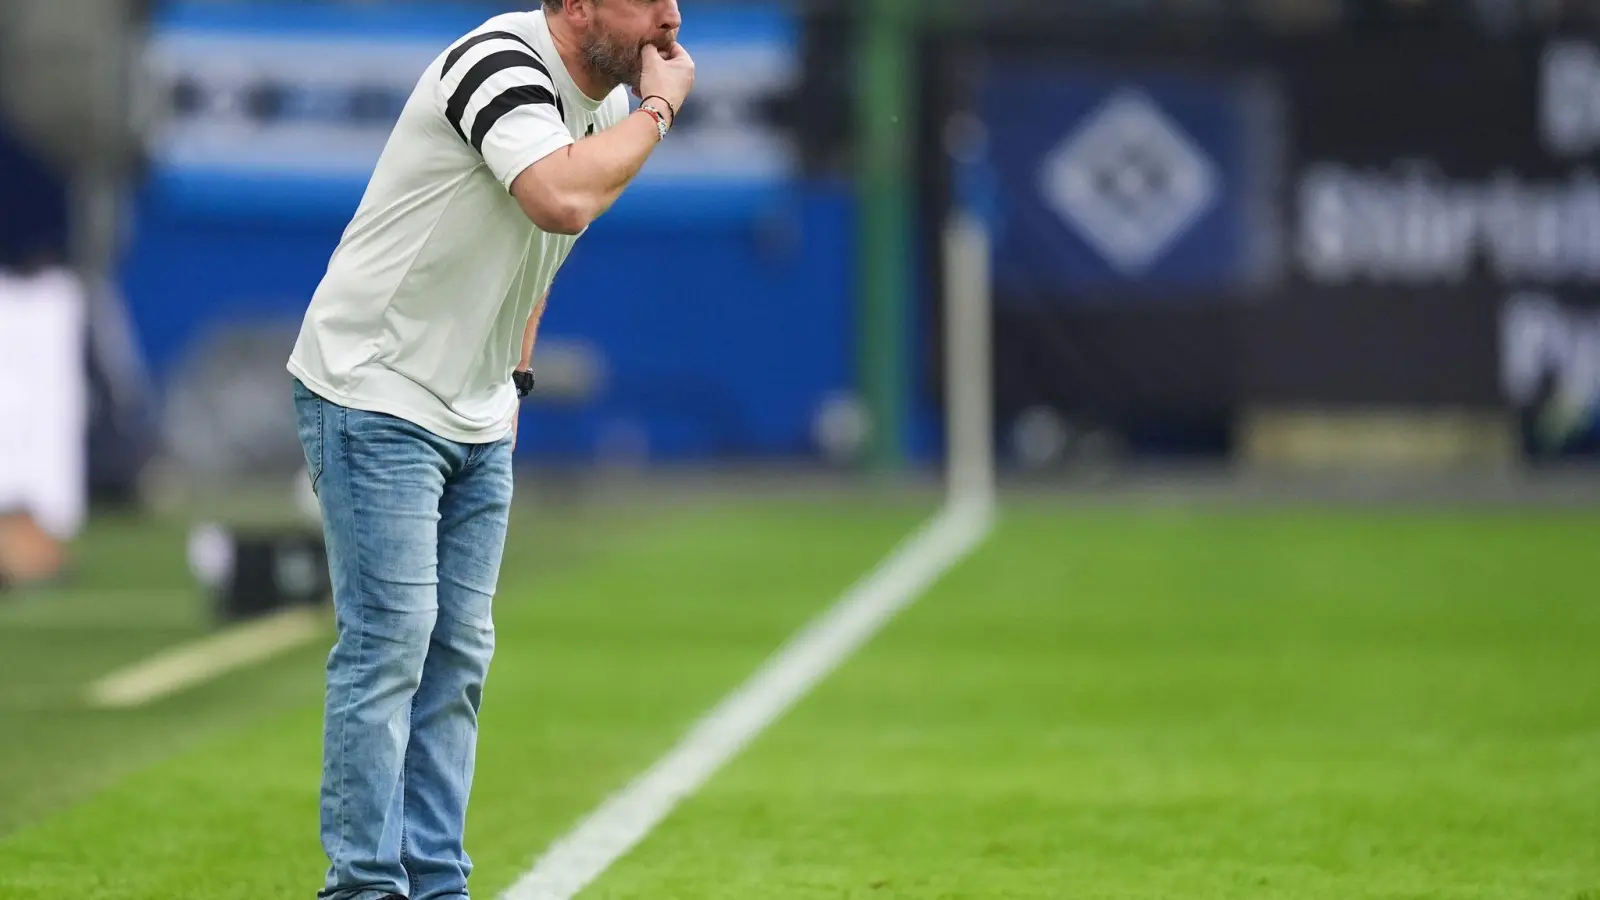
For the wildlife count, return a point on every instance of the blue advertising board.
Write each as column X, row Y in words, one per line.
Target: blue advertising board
column 272, row 109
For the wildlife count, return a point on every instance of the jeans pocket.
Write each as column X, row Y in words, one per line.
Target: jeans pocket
column 309, row 414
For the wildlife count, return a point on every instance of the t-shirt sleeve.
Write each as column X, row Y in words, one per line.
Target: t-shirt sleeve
column 497, row 94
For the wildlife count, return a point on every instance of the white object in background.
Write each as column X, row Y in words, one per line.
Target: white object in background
column 841, row 426
column 43, row 400
column 211, row 555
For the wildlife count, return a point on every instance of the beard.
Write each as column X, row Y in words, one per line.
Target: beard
column 612, row 57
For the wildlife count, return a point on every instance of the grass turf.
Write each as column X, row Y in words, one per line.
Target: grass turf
column 1099, row 704
column 1122, row 706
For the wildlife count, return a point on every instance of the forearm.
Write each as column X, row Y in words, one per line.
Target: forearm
column 571, row 188
column 613, row 162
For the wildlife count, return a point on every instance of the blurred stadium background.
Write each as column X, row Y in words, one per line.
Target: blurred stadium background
column 1273, row 324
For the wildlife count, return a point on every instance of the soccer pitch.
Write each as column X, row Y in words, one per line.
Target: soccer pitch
column 1098, row 703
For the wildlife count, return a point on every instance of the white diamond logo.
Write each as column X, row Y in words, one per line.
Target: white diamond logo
column 1129, row 181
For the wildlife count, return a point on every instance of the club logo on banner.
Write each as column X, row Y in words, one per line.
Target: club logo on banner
column 1130, row 181
column 1126, row 186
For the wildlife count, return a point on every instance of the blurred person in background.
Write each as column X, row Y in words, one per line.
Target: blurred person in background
column 408, row 371
column 76, row 410
column 41, row 379
column 43, row 419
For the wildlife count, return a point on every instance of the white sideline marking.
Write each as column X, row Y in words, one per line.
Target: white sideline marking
column 190, row 664
column 578, row 858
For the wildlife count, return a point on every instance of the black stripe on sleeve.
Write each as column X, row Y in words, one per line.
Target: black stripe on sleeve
column 478, row 74
column 521, row 95
column 475, row 40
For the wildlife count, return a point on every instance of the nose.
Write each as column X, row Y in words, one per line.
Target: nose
column 671, row 18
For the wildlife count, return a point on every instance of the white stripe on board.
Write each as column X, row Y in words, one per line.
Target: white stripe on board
column 578, row 858
column 187, row 665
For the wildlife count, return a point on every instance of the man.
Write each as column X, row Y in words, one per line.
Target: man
column 408, row 371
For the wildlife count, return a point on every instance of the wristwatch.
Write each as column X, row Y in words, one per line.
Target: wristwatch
column 523, row 379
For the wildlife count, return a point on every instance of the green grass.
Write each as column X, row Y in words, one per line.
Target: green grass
column 131, row 599
column 1096, row 705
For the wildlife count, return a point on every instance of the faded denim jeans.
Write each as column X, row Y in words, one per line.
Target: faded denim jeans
column 415, row 526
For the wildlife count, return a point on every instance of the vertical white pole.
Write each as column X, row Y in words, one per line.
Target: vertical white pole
column 969, row 371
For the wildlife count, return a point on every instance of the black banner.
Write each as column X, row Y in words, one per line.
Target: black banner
column 1446, row 192
column 1447, row 163
column 1409, row 221
column 1383, row 346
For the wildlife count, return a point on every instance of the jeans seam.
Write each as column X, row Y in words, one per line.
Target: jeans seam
column 405, row 780
column 322, row 444
column 344, row 718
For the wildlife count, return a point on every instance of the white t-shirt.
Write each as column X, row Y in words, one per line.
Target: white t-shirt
column 423, row 307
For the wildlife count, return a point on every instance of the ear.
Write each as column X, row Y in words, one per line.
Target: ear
column 578, row 10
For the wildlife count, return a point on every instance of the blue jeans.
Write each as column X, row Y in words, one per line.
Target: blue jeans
column 415, row 527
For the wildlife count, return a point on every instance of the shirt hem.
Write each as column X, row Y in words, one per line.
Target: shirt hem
column 420, row 419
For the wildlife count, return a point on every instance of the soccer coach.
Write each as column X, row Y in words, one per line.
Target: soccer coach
column 408, row 370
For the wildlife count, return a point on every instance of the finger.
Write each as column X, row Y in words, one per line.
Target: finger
column 651, row 53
